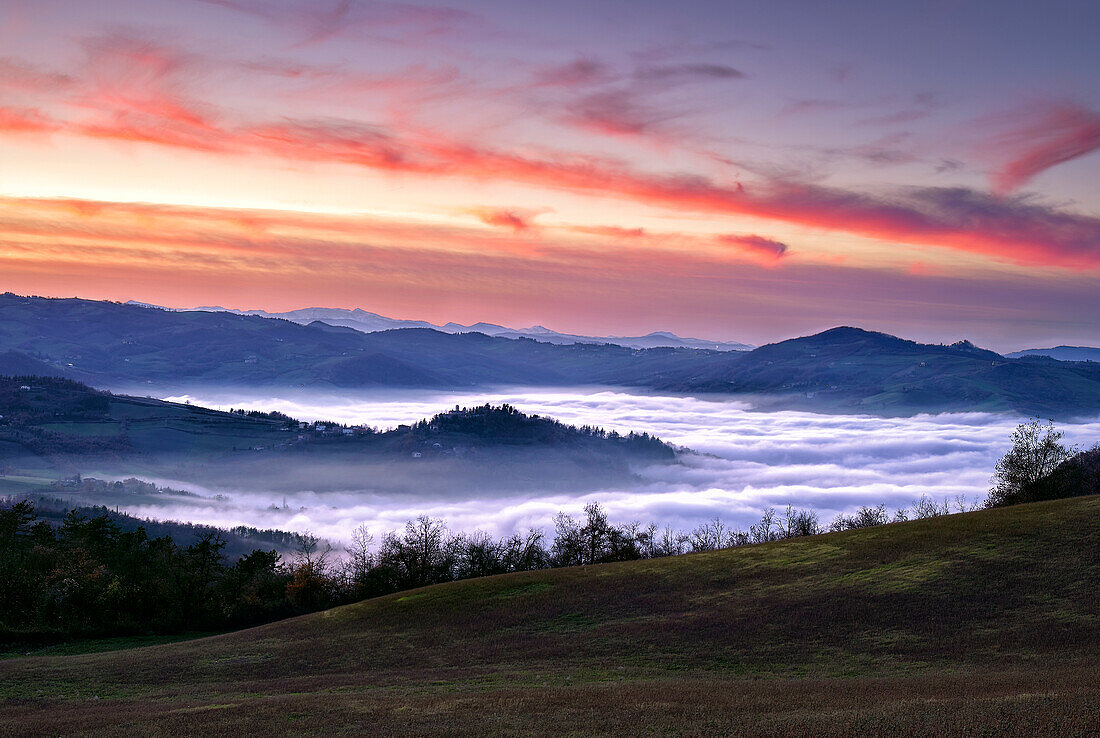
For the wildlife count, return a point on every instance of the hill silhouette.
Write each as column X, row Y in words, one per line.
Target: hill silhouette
column 842, row 369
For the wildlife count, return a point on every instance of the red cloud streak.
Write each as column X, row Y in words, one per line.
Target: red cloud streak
column 1059, row 134
column 1012, row 230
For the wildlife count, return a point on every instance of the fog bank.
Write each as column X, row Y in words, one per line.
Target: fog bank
column 746, row 461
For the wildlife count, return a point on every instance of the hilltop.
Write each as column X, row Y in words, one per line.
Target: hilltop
column 844, row 369
column 852, row 368
column 984, row 621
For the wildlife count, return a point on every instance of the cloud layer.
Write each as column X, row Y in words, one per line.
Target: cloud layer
column 748, row 461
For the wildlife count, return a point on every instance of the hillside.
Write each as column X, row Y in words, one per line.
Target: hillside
column 850, row 368
column 979, row 623
column 52, row 428
column 842, row 369
column 112, row 345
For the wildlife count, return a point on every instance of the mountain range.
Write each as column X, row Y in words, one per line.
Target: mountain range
column 368, row 322
column 1061, row 353
column 842, row 369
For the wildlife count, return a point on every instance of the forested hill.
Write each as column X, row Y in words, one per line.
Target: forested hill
column 851, row 368
column 506, row 425
column 843, row 369
column 52, row 427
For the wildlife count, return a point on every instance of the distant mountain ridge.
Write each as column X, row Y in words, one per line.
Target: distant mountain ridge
column 1061, row 353
column 844, row 369
column 368, row 322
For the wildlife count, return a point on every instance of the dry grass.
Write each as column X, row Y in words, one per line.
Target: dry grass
column 977, row 624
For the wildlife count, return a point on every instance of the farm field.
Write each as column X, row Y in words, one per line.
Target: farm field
column 983, row 623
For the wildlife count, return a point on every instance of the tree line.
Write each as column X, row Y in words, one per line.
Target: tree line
column 87, row 576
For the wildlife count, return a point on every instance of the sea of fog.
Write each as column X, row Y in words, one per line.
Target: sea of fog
column 747, row 461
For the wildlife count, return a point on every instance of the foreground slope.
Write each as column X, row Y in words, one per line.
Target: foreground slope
column 983, row 623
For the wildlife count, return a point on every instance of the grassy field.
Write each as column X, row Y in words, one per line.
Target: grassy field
column 979, row 624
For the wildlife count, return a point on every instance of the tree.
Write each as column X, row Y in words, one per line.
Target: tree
column 864, row 517
column 766, row 529
column 797, row 523
column 309, row 590
column 1036, row 451
column 361, row 558
column 710, row 536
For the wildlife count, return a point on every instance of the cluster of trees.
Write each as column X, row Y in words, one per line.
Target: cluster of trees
column 89, row 576
column 1039, row 466
column 48, row 399
column 239, row 540
column 506, row 424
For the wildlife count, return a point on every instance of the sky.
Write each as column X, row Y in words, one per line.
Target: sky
column 743, row 171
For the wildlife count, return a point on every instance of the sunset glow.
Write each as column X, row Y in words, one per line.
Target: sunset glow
column 736, row 172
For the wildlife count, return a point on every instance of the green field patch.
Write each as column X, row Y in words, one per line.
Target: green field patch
column 569, row 622
column 236, row 659
column 896, row 576
column 204, row 708
column 522, row 590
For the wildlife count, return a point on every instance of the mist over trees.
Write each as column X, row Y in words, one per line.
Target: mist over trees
column 78, row 575
column 88, row 576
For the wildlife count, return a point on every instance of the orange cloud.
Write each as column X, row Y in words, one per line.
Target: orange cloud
column 516, row 219
column 140, row 92
column 15, row 120
column 767, row 249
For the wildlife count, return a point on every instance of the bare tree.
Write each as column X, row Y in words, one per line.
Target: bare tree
column 361, row 558
column 926, row 507
column 670, row 542
column 767, row 529
column 797, row 523
column 709, row 536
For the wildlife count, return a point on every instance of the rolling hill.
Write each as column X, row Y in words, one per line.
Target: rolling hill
column 878, row 373
column 843, row 369
column 52, row 428
column 972, row 624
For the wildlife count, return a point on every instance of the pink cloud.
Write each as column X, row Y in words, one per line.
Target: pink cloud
column 142, row 91
column 23, row 120
column 1047, row 136
column 768, row 249
column 610, row 231
column 15, row 74
column 616, row 113
column 517, row 220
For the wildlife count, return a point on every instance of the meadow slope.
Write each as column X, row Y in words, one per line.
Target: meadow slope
column 985, row 623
